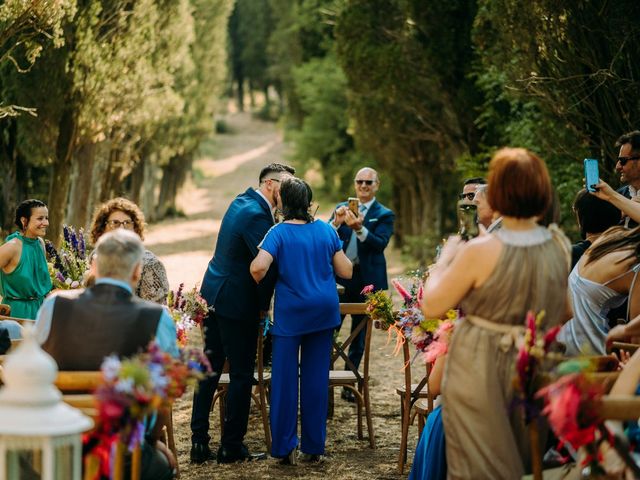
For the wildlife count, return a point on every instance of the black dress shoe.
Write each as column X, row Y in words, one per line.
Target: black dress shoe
column 200, row 453
column 348, row 395
column 228, row 455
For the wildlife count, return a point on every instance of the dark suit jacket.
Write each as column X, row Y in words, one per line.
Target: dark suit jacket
column 373, row 266
column 227, row 284
column 624, row 190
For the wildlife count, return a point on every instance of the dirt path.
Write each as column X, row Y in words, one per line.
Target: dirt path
column 186, row 245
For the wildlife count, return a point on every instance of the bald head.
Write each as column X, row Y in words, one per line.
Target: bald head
column 366, row 183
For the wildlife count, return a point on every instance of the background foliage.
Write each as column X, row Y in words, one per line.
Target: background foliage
column 124, row 92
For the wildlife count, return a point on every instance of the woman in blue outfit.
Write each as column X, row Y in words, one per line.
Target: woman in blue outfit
column 308, row 255
column 429, row 461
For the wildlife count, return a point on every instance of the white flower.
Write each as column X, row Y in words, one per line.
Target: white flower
column 68, row 281
column 75, row 284
column 124, row 385
column 110, row 367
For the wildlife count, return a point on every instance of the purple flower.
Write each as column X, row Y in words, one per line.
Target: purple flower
column 81, row 244
column 67, row 234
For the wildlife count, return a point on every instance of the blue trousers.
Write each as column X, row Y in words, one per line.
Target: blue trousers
column 310, row 354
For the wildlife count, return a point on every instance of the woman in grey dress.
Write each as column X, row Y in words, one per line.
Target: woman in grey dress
column 497, row 279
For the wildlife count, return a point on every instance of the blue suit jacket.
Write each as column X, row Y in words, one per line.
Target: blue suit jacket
column 227, row 284
column 373, row 266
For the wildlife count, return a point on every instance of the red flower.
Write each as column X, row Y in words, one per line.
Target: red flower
column 367, row 289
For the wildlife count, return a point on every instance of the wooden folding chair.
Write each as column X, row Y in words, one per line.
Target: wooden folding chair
column 628, row 347
column 351, row 378
column 77, row 389
column 5, row 309
column 259, row 393
column 409, row 394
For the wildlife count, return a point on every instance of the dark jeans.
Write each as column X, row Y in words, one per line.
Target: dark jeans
column 235, row 340
column 352, row 294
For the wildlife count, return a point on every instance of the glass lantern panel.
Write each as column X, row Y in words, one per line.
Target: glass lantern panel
column 24, row 465
column 63, row 462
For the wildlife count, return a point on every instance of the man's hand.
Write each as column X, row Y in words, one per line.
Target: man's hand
column 339, row 215
column 353, row 222
column 604, row 191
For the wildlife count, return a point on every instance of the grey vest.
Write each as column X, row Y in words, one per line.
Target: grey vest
column 103, row 320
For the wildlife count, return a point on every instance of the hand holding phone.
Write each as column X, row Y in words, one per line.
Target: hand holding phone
column 591, row 174
column 468, row 220
column 354, row 205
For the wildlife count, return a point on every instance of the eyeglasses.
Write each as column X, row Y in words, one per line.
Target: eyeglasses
column 365, row 182
column 469, row 196
column 127, row 224
column 623, row 160
column 274, row 179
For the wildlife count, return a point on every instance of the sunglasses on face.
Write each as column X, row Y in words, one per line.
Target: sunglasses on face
column 623, row 160
column 364, row 182
column 469, row 196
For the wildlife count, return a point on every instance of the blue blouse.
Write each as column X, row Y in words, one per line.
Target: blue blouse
column 306, row 298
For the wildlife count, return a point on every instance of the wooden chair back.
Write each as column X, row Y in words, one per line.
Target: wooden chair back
column 628, row 347
column 351, row 378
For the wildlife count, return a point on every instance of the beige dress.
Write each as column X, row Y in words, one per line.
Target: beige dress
column 484, row 439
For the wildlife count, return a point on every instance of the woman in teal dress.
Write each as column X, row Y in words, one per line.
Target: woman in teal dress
column 24, row 275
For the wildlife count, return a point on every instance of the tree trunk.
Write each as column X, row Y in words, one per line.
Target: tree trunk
column 148, row 196
column 240, row 93
column 112, row 175
column 10, row 190
column 137, row 180
column 173, row 176
column 79, row 214
column 61, row 173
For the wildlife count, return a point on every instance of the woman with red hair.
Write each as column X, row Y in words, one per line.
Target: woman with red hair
column 496, row 279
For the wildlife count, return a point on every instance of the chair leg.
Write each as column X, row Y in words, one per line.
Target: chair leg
column 368, row 413
column 421, row 422
column 221, row 403
column 359, row 408
column 171, row 441
column 331, row 403
column 402, row 457
column 262, row 405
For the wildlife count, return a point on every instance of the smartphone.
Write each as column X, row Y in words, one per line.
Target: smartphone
column 591, row 174
column 468, row 220
column 354, row 205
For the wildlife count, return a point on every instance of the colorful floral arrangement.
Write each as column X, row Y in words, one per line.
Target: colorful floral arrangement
column 430, row 335
column 132, row 392
column 534, row 358
column 188, row 309
column 571, row 408
column 379, row 307
column 68, row 266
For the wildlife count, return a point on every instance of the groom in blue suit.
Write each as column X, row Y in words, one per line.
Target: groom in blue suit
column 364, row 238
column 231, row 329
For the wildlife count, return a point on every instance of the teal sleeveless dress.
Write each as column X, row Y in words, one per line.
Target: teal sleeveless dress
column 24, row 289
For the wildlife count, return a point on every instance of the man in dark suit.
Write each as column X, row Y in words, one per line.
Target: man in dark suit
column 364, row 237
column 628, row 166
column 231, row 330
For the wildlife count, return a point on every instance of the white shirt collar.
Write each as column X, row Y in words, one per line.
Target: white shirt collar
column 632, row 191
column 272, row 208
column 369, row 203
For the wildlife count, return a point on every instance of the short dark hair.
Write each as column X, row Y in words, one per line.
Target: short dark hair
column 519, row 183
column 632, row 138
column 275, row 168
column 25, row 209
column 475, row 180
column 594, row 215
column 296, row 195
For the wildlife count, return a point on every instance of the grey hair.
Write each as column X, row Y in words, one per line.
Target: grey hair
column 118, row 253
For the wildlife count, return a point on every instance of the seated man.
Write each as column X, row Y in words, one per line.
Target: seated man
column 79, row 328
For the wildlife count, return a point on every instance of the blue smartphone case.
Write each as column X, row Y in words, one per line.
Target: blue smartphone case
column 591, row 174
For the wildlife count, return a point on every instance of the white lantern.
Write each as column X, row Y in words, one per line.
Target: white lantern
column 39, row 433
